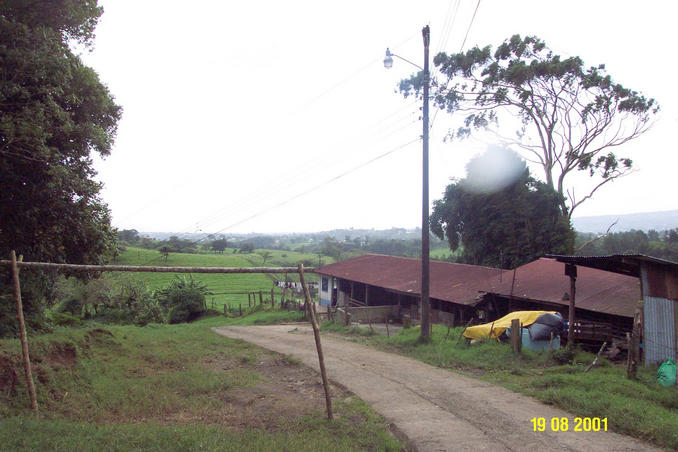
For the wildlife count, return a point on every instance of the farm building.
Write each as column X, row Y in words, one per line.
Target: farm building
column 460, row 291
column 391, row 286
column 608, row 291
column 605, row 302
column 658, row 290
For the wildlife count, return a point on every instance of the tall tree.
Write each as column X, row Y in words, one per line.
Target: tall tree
column 571, row 118
column 54, row 112
column 504, row 228
column 219, row 245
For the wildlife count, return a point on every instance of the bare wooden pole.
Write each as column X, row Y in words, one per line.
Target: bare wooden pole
column 464, row 330
column 634, row 346
column 272, row 299
column 127, row 268
column 22, row 329
column 628, row 357
column 316, row 334
column 516, row 336
column 595, row 360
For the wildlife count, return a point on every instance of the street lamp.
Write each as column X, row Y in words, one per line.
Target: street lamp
column 425, row 261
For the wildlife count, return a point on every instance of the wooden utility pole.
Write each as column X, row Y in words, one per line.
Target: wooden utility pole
column 22, row 330
column 316, row 333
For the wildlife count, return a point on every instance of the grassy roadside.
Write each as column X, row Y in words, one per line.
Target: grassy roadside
column 642, row 409
column 173, row 387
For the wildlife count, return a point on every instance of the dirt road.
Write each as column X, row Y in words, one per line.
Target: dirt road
column 436, row 409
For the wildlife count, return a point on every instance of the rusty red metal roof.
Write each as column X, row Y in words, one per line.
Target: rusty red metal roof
column 596, row 290
column 457, row 283
column 541, row 280
column 625, row 264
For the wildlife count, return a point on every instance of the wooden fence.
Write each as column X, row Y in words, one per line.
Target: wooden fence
column 16, row 264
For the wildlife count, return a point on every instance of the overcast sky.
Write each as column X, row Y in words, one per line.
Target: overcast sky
column 269, row 116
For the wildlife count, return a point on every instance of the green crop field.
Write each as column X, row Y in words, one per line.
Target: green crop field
column 227, row 289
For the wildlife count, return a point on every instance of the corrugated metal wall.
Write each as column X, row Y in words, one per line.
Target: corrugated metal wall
column 659, row 342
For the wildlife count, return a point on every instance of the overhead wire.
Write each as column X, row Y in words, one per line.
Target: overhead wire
column 445, row 34
column 310, row 165
column 335, row 178
column 303, row 193
column 313, row 100
column 382, row 128
column 469, row 27
column 461, row 49
column 272, row 190
column 346, row 79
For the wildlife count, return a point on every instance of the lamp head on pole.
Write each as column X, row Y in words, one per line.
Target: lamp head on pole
column 388, row 61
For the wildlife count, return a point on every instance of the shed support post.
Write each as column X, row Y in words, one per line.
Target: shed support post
column 571, row 271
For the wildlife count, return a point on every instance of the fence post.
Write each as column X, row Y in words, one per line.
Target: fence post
column 516, row 336
column 310, row 306
column 22, row 329
column 272, row 299
column 261, row 297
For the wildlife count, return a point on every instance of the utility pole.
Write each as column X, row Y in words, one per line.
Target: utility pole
column 425, row 258
column 425, row 262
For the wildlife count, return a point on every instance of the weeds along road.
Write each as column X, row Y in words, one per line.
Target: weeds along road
column 435, row 409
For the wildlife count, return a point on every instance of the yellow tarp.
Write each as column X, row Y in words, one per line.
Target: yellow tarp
column 499, row 326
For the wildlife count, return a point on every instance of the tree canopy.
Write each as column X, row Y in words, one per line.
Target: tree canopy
column 219, row 245
column 571, row 117
column 506, row 228
column 54, row 113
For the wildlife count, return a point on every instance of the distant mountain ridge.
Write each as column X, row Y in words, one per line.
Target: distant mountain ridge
column 643, row 221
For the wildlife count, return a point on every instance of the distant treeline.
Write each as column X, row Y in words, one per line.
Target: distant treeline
column 395, row 242
column 661, row 244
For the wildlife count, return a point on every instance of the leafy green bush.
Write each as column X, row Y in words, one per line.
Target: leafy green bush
column 71, row 305
column 149, row 312
column 115, row 315
column 65, row 319
column 184, row 299
column 563, row 356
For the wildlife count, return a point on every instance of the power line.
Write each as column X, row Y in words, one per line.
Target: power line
column 362, row 165
column 299, row 195
column 308, row 166
column 469, row 27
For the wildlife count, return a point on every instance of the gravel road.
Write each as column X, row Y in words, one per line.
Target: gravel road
column 437, row 410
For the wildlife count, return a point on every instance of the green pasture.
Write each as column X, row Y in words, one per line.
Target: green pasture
column 227, row 289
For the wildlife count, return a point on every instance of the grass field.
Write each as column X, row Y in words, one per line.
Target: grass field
column 641, row 408
column 227, row 289
column 174, row 388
